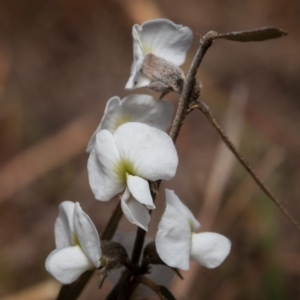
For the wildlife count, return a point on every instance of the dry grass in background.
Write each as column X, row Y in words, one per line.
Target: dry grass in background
column 60, row 61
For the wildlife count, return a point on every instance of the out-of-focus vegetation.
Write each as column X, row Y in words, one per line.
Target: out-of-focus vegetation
column 60, row 61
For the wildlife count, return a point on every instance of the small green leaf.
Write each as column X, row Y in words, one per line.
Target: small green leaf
column 165, row 294
column 255, row 35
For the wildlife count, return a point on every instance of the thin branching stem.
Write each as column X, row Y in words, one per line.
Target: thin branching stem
column 129, row 281
column 208, row 114
column 141, row 233
column 185, row 108
column 112, row 224
column 138, row 245
column 182, row 112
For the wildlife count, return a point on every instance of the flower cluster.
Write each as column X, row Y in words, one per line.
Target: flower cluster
column 129, row 150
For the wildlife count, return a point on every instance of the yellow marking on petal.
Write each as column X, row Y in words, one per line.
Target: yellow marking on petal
column 120, row 121
column 75, row 240
column 122, row 168
column 147, row 49
column 191, row 226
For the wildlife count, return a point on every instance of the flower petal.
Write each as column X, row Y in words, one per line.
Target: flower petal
column 173, row 238
column 209, row 249
column 112, row 108
column 164, row 39
column 67, row 264
column 137, row 79
column 173, row 199
column 139, row 189
column 102, row 165
column 145, row 109
column 150, row 150
column 63, row 227
column 134, row 211
column 87, row 235
column 134, row 108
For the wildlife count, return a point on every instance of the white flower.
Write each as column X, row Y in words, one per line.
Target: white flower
column 177, row 242
column 124, row 161
column 77, row 244
column 134, row 108
column 163, row 39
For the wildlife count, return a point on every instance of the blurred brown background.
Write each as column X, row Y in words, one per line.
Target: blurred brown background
column 60, row 61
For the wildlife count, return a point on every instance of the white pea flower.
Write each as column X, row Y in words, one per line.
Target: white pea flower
column 157, row 39
column 177, row 242
column 134, row 108
column 77, row 244
column 124, row 161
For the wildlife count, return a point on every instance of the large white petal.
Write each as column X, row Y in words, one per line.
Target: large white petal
column 134, row 108
column 107, row 122
column 150, row 150
column 165, row 39
column 102, row 168
column 63, row 228
column 87, row 235
column 67, row 264
column 209, row 249
column 145, row 109
column 173, row 199
column 134, row 211
column 139, row 189
column 173, row 238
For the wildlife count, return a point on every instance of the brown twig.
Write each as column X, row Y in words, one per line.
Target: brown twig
column 217, row 179
column 184, row 107
column 206, row 111
column 240, row 198
column 182, row 111
column 128, row 282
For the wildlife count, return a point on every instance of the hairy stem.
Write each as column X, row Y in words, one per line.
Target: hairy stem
column 185, row 100
column 185, row 97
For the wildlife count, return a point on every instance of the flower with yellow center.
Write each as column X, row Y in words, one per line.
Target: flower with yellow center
column 77, row 244
column 161, row 38
column 134, row 108
column 124, row 162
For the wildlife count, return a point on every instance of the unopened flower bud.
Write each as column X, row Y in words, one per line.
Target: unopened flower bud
column 165, row 76
column 113, row 257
